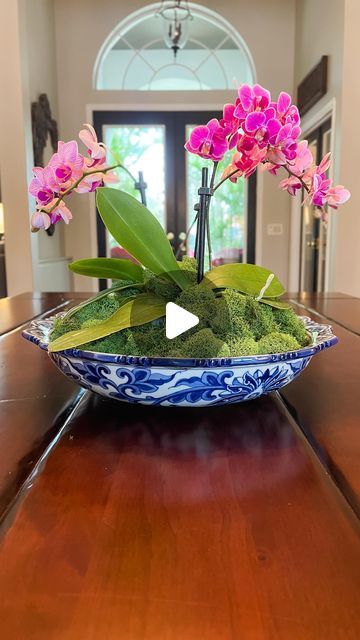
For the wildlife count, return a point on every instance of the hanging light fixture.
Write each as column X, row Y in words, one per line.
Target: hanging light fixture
column 176, row 15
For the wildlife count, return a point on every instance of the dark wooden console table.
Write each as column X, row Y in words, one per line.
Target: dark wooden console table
column 124, row 522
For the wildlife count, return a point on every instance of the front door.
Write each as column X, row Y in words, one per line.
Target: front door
column 153, row 143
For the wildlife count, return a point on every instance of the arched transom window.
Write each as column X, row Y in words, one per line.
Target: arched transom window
column 136, row 57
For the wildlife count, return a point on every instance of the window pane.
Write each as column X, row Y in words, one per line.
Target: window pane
column 227, row 211
column 140, row 148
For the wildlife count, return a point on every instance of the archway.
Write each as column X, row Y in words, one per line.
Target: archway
column 134, row 56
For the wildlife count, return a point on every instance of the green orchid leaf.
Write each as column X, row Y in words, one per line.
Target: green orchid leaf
column 246, row 278
column 277, row 304
column 103, row 294
column 114, row 268
column 139, row 232
column 140, row 310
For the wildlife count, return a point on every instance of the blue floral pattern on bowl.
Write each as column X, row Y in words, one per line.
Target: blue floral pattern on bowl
column 182, row 381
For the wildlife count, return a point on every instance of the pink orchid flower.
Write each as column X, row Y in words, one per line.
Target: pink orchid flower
column 208, row 141
column 96, row 150
column 303, row 159
column 319, row 190
column 60, row 212
column 42, row 185
column 337, row 195
column 247, row 164
column 92, row 182
column 67, row 163
column 230, row 124
column 263, row 126
column 40, row 220
column 251, row 99
column 291, row 185
column 286, row 112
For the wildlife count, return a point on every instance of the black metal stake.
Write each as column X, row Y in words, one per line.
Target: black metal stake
column 204, row 193
column 141, row 186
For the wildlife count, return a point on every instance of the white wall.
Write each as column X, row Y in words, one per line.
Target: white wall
column 81, row 28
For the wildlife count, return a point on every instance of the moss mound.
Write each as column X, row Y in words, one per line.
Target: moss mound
column 231, row 323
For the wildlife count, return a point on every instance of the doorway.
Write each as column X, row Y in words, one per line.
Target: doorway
column 314, row 231
column 153, row 143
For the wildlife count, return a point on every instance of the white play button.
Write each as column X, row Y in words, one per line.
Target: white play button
column 178, row 320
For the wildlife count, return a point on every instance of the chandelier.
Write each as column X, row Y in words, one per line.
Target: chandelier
column 176, row 15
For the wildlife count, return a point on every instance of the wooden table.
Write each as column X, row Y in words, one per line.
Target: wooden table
column 138, row 523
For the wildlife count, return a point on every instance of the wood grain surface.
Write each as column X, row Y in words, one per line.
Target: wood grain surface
column 325, row 401
column 345, row 312
column 147, row 523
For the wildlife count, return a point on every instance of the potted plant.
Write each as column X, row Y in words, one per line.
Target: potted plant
column 248, row 341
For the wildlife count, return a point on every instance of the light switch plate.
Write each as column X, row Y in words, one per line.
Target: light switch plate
column 275, row 229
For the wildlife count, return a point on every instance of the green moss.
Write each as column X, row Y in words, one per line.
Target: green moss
column 231, row 323
column 289, row 322
column 243, row 347
column 199, row 301
column 93, row 313
column 160, row 286
column 260, row 318
column 277, row 342
column 203, row 344
column 116, row 343
column 149, row 339
column 189, row 265
column 228, row 316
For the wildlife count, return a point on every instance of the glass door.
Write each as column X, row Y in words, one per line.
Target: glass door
column 141, row 148
column 153, row 143
column 313, row 229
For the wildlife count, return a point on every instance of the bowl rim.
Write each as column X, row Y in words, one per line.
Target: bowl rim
column 39, row 330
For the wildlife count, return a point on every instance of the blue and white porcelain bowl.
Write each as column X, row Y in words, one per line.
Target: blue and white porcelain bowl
column 182, row 382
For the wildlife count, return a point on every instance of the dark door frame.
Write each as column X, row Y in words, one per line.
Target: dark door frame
column 315, row 135
column 174, row 122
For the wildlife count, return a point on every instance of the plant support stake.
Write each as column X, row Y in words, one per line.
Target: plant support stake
column 141, row 186
column 205, row 193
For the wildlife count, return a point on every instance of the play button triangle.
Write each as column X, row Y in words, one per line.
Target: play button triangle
column 178, row 320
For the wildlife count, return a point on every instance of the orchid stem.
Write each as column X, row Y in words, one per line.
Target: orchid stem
column 224, row 179
column 76, row 184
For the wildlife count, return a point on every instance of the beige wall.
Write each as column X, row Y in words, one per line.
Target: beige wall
column 320, row 31
column 347, row 257
column 15, row 135
column 43, row 79
column 81, row 28
column 34, row 261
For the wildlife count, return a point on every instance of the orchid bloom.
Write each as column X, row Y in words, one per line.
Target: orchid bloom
column 67, row 164
column 251, row 99
column 337, row 195
column 303, row 159
column 42, row 219
column 96, row 150
column 286, row 112
column 208, row 141
column 42, row 185
column 262, row 132
column 230, row 124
